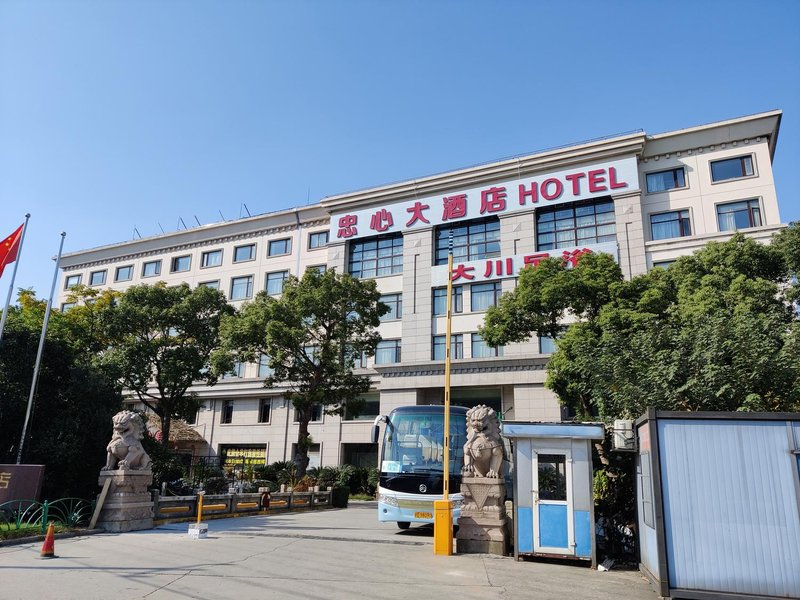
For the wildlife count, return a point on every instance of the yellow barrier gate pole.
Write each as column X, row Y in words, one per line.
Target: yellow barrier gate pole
column 200, row 509
column 442, row 509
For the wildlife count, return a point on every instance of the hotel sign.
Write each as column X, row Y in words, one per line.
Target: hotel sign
column 489, row 269
column 559, row 187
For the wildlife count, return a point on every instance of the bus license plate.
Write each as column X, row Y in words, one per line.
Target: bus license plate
column 423, row 515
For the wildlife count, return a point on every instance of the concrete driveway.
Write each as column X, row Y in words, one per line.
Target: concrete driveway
column 334, row 554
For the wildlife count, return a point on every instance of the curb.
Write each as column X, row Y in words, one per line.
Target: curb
column 59, row 536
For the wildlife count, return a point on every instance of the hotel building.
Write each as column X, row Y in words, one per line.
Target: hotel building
column 646, row 199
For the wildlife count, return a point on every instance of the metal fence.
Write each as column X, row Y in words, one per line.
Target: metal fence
column 26, row 514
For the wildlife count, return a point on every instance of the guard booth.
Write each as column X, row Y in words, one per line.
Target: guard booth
column 553, row 502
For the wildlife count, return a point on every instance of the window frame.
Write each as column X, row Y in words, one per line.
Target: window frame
column 683, row 223
column 93, row 273
column 497, row 291
column 313, row 235
column 207, row 253
column 456, row 343
column 65, row 306
column 118, row 269
column 685, row 185
column 395, row 307
column 441, row 240
column 67, row 285
column 457, row 299
column 395, row 256
column 253, row 253
column 272, row 243
column 751, row 204
column 264, row 369
column 741, row 159
column 249, row 287
column 206, row 284
column 226, row 413
column 558, row 215
column 497, row 350
column 396, row 347
column 157, row 264
column 173, row 264
column 265, row 402
column 369, row 398
column 286, row 276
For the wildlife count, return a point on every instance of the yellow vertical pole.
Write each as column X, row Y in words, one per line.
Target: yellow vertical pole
column 199, row 508
column 442, row 509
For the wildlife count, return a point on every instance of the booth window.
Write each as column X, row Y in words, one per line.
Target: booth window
column 552, row 477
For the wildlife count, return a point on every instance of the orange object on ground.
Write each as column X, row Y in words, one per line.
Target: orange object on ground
column 49, row 546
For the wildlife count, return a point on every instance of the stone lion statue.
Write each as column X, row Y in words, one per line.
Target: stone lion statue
column 483, row 452
column 125, row 449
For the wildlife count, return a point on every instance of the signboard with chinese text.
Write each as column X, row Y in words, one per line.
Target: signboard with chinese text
column 20, row 482
column 233, row 456
column 476, row 271
column 568, row 185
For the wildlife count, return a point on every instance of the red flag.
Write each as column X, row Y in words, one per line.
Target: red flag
column 9, row 248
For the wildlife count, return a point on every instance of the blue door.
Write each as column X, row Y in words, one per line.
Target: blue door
column 553, row 524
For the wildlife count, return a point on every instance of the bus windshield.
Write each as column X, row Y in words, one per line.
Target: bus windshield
column 414, row 443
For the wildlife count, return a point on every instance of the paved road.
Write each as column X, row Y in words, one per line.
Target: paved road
column 330, row 555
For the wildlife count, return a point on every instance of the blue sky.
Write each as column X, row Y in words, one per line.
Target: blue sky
column 115, row 115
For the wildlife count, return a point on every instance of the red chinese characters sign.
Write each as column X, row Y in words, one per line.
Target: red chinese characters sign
column 570, row 185
column 477, row 271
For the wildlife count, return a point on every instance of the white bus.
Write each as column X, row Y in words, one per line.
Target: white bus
column 412, row 462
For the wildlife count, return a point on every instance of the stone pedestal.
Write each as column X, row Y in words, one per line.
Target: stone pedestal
column 482, row 525
column 128, row 505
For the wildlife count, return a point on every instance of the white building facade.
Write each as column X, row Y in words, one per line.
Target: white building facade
column 646, row 199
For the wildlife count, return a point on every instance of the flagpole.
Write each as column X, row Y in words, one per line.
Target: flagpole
column 13, row 277
column 39, row 351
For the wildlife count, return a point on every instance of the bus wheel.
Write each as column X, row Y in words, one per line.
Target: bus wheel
column 403, row 524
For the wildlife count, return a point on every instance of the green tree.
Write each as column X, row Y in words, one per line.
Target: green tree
column 71, row 418
column 311, row 336
column 159, row 343
column 716, row 331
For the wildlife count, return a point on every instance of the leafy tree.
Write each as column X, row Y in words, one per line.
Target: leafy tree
column 159, row 342
column 713, row 332
column 311, row 336
column 71, row 418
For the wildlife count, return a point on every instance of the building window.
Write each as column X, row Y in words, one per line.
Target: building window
column 151, row 269
column 440, row 300
column 65, row 306
column 242, row 287
column 181, row 263
column 214, row 285
column 124, row 273
column 456, row 346
column 732, row 168
column 471, row 241
column 578, row 224
column 275, row 281
column 318, row 268
column 97, row 277
column 212, row 258
column 71, row 281
column 666, row 180
column 316, row 414
column 317, row 239
column 738, row 215
column 663, row 264
column 481, row 349
column 279, row 247
column 387, row 352
column 264, row 370
column 244, row 253
column 484, row 295
column 264, row 410
column 237, row 372
column 226, row 414
column 395, row 304
column 382, row 255
column 547, row 344
column 672, row 224
column 370, row 410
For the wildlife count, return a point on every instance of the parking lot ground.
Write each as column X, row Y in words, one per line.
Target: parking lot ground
column 331, row 555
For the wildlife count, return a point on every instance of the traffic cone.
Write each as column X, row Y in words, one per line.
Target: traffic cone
column 49, row 546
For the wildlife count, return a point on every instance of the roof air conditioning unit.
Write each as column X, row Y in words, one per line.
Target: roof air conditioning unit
column 623, row 439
